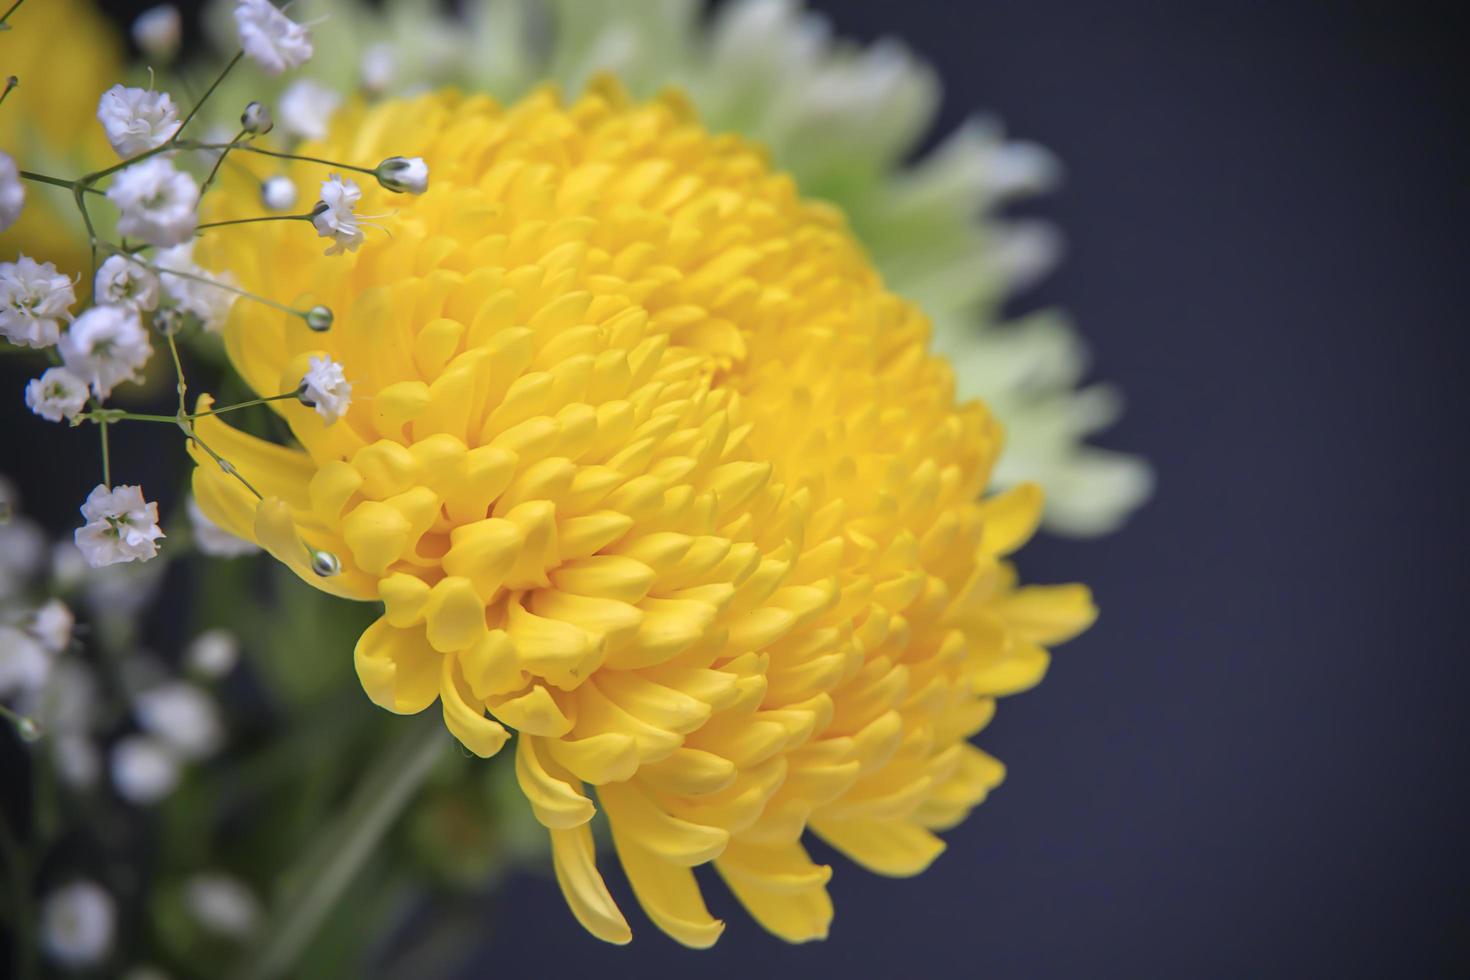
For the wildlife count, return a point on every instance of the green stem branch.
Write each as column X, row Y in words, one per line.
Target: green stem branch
column 344, row 845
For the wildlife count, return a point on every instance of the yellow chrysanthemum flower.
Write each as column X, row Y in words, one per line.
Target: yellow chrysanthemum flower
column 644, row 464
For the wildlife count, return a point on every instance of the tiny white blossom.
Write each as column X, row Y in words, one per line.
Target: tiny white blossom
column 326, row 389
column 306, row 108
column 404, row 174
column 209, row 304
column 257, row 119
column 53, row 625
column 270, row 38
column 25, row 665
column 213, row 653
column 156, row 31
column 157, row 202
column 213, row 539
column 76, row 759
column 222, row 904
column 12, row 192
column 34, row 299
column 105, row 346
column 136, row 119
column 278, row 193
column 333, row 218
column 124, row 282
column 144, row 770
column 77, row 924
column 58, row 394
column 121, row 526
column 183, row 716
column 379, row 68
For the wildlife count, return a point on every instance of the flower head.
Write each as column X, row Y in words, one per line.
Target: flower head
column 34, row 299
column 647, row 466
column 197, row 292
column 121, row 526
column 269, row 38
column 157, row 30
column 136, row 119
column 325, row 388
column 12, row 192
column 58, row 394
column 306, row 108
column 333, row 216
column 278, row 193
column 105, row 346
column 52, row 625
column 158, row 202
column 144, row 769
column 122, row 281
column 25, row 663
column 183, row 716
column 77, row 924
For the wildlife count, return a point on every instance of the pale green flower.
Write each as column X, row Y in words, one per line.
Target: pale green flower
column 844, row 119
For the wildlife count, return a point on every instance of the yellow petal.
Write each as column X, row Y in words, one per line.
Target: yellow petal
column 895, row 848
column 464, row 716
column 574, row 856
column 554, row 799
column 398, row 668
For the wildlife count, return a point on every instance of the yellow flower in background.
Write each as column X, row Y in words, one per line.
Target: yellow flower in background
column 645, row 465
column 65, row 53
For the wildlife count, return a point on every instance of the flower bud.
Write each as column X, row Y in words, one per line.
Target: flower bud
column 319, row 318
column 168, row 320
column 256, row 119
column 403, row 174
column 325, row 564
column 28, row 729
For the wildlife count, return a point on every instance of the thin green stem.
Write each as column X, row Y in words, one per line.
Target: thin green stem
column 205, row 97
column 10, row 83
column 106, row 456
column 78, row 193
column 21, row 722
column 70, row 185
column 173, row 349
column 218, row 162
column 206, row 280
column 5, row 17
column 195, row 145
column 343, row 846
column 250, row 221
column 111, row 415
column 19, row 867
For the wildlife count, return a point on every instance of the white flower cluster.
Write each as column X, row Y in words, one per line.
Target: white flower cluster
column 151, row 278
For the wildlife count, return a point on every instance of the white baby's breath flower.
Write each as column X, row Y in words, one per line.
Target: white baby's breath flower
column 404, row 174
column 306, row 108
column 156, row 31
column 105, row 346
column 58, row 394
column 77, row 924
column 222, row 904
column 183, row 716
column 76, row 759
column 121, row 526
column 12, row 192
column 214, row 540
column 136, row 119
column 53, row 624
column 34, row 299
column 268, row 37
column 157, row 202
column 209, row 304
column 213, row 653
column 326, row 389
column 123, row 282
column 378, row 68
column 25, row 664
column 333, row 216
column 144, row 770
column 278, row 193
